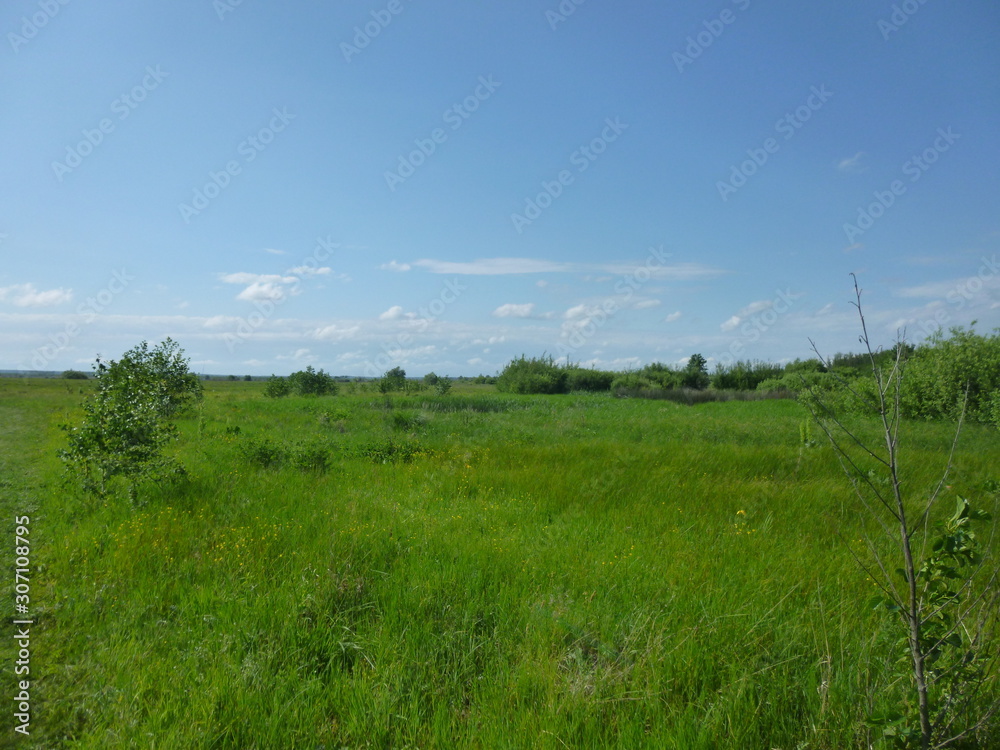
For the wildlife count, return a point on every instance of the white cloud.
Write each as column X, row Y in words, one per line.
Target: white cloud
column 511, row 310
column 577, row 311
column 393, row 313
column 852, row 164
column 309, row 271
column 334, row 332
column 541, row 283
column 673, row 316
column 647, row 303
column 26, row 295
column 394, row 266
column 261, row 286
column 274, row 252
column 504, row 266
column 262, row 290
column 731, row 323
column 493, row 266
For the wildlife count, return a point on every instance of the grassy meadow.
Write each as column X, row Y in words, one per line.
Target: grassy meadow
column 473, row 570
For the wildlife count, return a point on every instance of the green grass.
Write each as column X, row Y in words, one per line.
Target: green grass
column 475, row 570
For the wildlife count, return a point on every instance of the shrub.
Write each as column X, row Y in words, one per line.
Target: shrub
column 580, row 379
column 744, row 376
column 309, row 382
column 630, row 383
column 74, row 375
column 536, row 375
column 125, row 428
column 262, row 452
column 941, row 370
column 660, row 375
column 277, row 387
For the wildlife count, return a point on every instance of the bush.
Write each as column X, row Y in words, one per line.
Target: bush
column 125, row 428
column 74, row 375
column 579, row 379
column 277, row 387
column 309, row 382
column 536, row 375
column 940, row 370
column 744, row 376
column 306, row 382
column 659, row 375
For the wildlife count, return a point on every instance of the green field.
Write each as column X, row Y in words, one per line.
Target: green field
column 465, row 571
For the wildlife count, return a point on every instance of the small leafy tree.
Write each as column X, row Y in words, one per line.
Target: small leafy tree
column 392, row 380
column 942, row 594
column 443, row 386
column 695, row 374
column 125, row 427
column 309, row 382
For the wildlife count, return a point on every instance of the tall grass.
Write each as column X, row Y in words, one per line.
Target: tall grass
column 541, row 572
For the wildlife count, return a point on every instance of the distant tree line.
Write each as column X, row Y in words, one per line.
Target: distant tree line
column 940, row 372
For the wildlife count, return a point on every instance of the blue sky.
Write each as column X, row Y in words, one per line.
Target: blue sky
column 444, row 186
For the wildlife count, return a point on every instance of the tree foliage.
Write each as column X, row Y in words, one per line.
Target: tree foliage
column 125, row 427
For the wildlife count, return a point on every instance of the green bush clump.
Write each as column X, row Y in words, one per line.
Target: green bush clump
column 592, row 381
column 744, row 375
column 307, row 382
column 389, row 451
column 125, row 428
column 535, row 375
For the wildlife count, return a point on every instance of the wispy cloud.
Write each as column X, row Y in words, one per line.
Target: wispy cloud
column 493, row 266
column 853, row 164
column 751, row 309
column 508, row 266
column 511, row 310
column 274, row 252
column 394, row 266
column 27, row 295
column 309, row 271
column 393, row 313
column 647, row 303
column 673, row 316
